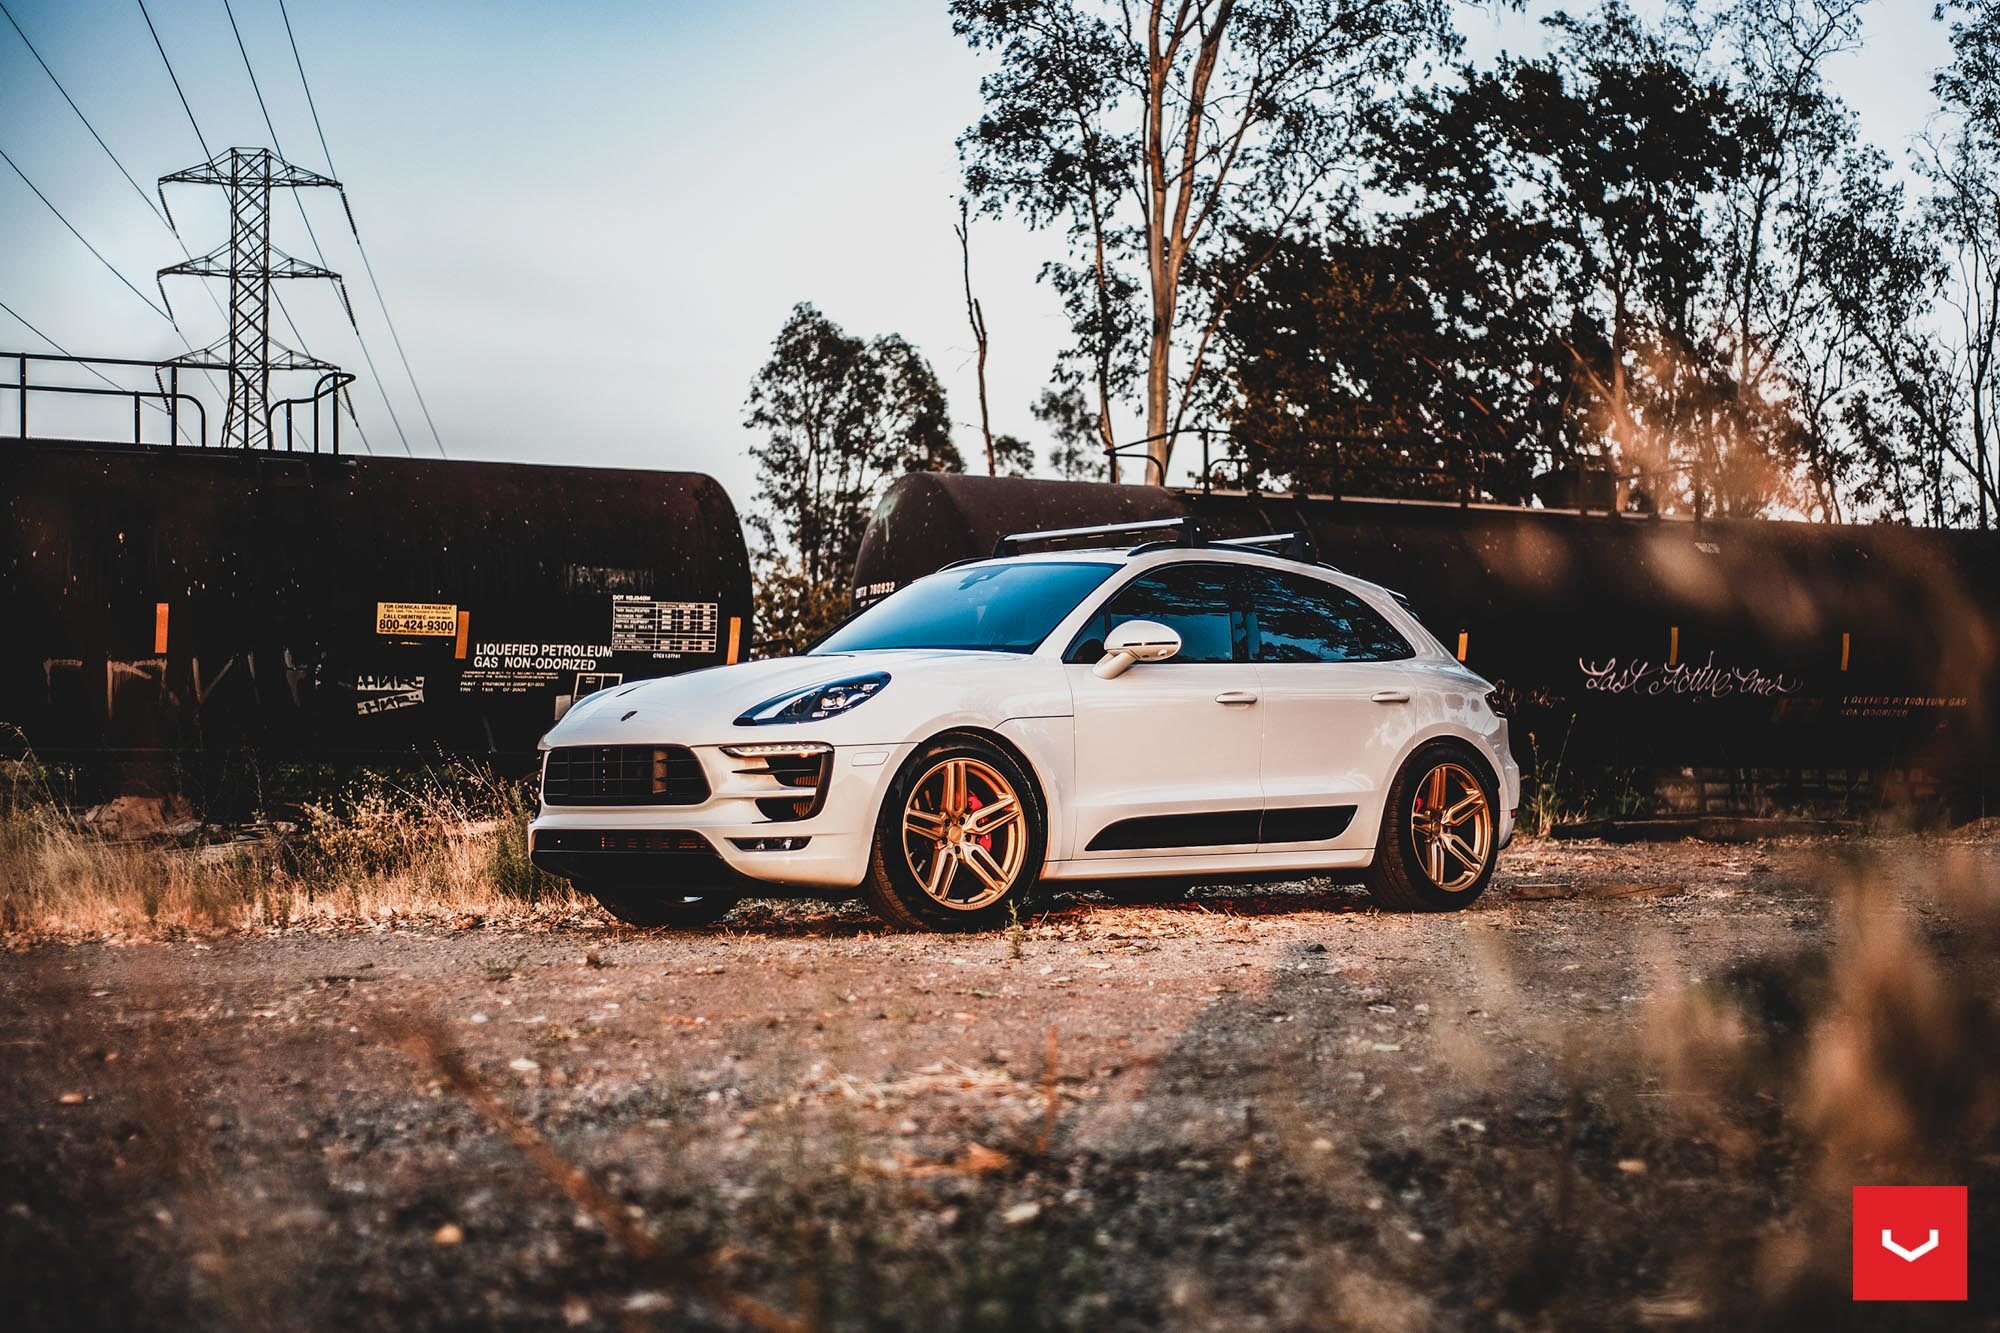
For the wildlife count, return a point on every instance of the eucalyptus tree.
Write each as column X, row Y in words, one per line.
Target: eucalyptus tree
column 1961, row 160
column 1151, row 134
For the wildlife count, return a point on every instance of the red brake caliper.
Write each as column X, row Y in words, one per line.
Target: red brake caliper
column 972, row 802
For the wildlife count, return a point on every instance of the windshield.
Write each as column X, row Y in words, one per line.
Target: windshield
column 1002, row 608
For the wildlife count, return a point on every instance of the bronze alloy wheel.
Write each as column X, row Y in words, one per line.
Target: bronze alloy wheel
column 965, row 833
column 1451, row 827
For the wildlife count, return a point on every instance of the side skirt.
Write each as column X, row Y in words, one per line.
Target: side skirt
column 1220, row 865
column 1224, row 828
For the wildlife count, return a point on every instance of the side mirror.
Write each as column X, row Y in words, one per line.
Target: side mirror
column 1135, row 641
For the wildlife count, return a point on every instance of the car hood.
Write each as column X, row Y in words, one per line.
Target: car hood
column 701, row 707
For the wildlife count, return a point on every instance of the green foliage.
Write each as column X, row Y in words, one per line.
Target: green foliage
column 1659, row 246
column 840, row 418
column 1078, row 451
column 1012, row 456
column 1662, row 246
column 795, row 611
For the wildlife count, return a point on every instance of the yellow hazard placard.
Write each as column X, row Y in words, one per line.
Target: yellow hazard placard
column 416, row 619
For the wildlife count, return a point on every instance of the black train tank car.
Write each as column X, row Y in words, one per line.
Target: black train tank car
column 1629, row 644
column 167, row 602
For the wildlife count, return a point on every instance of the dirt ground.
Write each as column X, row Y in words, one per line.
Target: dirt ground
column 1630, row 1087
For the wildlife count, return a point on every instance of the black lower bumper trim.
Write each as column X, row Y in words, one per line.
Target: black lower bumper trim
column 640, row 858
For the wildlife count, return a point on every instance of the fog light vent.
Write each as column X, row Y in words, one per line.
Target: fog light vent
column 770, row 844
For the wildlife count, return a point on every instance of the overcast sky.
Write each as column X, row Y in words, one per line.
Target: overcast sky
column 589, row 219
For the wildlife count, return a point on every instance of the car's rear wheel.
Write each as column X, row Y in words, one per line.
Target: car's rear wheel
column 1440, row 832
column 960, row 839
column 684, row 911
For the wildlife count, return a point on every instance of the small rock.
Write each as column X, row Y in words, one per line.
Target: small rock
column 1632, row 1166
column 979, row 1160
column 448, row 1234
column 1021, row 1212
column 522, row 1065
column 71, row 1099
column 646, row 1302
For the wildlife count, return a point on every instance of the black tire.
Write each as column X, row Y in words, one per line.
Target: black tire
column 1400, row 879
column 679, row 911
column 893, row 887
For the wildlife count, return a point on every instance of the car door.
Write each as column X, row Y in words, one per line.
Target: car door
column 1167, row 753
column 1338, row 708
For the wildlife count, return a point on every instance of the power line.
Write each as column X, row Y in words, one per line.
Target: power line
column 367, row 264
column 86, row 243
column 25, row 323
column 208, row 154
column 82, row 361
column 311, row 235
column 144, row 198
column 136, row 187
column 64, row 351
column 205, row 152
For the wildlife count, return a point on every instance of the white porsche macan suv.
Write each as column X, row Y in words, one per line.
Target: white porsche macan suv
column 1180, row 709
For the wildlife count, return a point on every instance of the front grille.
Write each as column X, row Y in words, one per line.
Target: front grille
column 623, row 775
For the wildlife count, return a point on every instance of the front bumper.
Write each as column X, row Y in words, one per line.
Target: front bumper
column 726, row 843
column 1510, row 793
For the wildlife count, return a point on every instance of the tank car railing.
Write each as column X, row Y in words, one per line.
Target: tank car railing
column 165, row 397
column 1465, row 478
column 326, row 389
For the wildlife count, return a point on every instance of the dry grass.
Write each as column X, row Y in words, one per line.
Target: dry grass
column 447, row 847
column 1867, row 1062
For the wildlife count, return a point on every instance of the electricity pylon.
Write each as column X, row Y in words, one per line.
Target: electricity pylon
column 251, row 263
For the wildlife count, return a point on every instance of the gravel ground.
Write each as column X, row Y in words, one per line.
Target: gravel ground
column 1607, row 1095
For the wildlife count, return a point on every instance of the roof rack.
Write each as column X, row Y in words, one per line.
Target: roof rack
column 1287, row 545
column 1186, row 533
column 1189, row 534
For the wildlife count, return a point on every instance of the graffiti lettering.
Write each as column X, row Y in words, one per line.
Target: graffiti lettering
column 1703, row 680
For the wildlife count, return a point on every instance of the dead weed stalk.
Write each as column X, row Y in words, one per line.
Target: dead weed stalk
column 427, row 1044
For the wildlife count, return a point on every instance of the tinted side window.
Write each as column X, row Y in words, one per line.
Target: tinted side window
column 1201, row 603
column 1300, row 619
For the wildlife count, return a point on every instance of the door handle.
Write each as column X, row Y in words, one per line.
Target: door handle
column 1237, row 697
column 1391, row 696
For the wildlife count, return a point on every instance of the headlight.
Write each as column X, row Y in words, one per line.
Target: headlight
column 778, row 750
column 817, row 703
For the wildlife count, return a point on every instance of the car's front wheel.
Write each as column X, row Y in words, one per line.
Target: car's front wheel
column 960, row 840
column 683, row 911
column 1440, row 832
